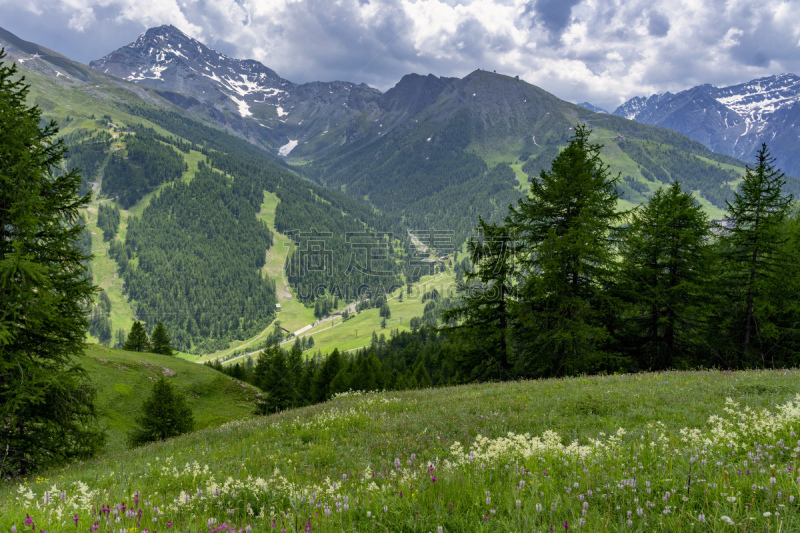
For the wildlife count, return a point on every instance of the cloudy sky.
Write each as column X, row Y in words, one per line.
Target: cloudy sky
column 603, row 51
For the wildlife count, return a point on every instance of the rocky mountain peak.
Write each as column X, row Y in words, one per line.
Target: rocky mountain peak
column 734, row 120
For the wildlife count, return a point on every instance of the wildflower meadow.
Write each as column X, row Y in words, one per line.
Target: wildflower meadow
column 676, row 451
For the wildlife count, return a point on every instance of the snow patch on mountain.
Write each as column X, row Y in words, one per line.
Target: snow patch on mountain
column 244, row 109
column 286, row 149
column 155, row 72
column 734, row 120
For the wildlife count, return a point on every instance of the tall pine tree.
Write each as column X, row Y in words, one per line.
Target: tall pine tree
column 563, row 230
column 483, row 316
column 665, row 276
column 752, row 243
column 47, row 414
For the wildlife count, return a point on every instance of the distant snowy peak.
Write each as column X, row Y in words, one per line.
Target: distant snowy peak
column 734, row 120
column 165, row 57
column 753, row 99
column 189, row 74
column 761, row 96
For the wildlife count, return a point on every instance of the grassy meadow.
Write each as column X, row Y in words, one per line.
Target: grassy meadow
column 124, row 380
column 357, row 331
column 673, row 451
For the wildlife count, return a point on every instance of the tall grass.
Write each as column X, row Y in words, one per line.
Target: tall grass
column 675, row 451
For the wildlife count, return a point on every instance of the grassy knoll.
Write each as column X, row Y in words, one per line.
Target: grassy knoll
column 579, row 454
column 124, row 380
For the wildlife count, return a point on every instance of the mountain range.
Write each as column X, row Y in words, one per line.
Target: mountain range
column 203, row 81
column 408, row 150
column 430, row 153
column 733, row 120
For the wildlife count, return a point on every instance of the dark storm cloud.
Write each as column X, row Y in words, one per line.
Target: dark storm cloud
column 658, row 24
column 554, row 15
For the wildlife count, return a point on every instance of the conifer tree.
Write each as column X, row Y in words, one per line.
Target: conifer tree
column 563, row 230
column 160, row 340
column 278, row 385
column 323, row 377
column 665, row 276
column 294, row 371
column 752, row 244
column 421, row 376
column 47, row 414
column 137, row 340
column 483, row 317
column 165, row 414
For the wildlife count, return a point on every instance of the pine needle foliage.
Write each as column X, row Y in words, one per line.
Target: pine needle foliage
column 165, row 414
column 753, row 242
column 47, row 414
column 159, row 340
column 564, row 233
column 664, row 277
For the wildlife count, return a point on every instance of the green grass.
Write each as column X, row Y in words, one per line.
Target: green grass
column 401, row 461
column 357, row 331
column 328, row 334
column 124, row 380
column 104, row 270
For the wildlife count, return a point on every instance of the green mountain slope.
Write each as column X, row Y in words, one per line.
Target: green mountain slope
column 428, row 150
column 124, row 379
column 150, row 159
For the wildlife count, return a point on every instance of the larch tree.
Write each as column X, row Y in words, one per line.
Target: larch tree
column 165, row 414
column 565, row 249
column 483, row 316
column 47, row 413
column 137, row 340
column 159, row 340
column 752, row 244
column 665, row 277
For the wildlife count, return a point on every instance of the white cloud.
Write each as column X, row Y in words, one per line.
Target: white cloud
column 597, row 50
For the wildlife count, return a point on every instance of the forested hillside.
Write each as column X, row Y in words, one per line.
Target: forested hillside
column 431, row 156
column 145, row 164
column 175, row 213
column 333, row 230
column 568, row 284
column 198, row 250
column 428, row 153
